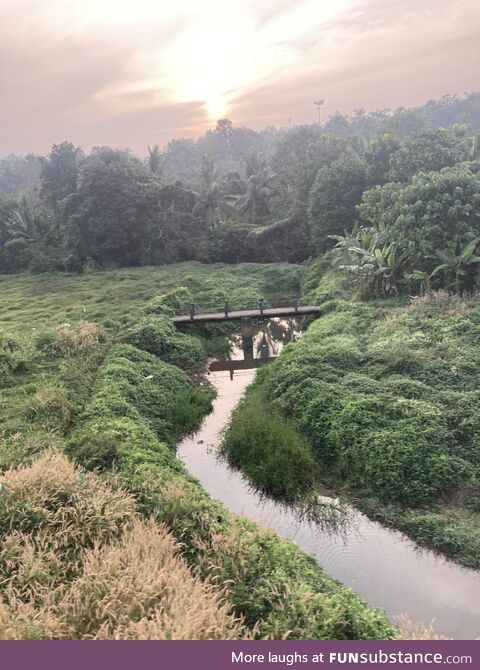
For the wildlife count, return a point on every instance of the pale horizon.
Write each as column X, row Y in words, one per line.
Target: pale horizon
column 132, row 74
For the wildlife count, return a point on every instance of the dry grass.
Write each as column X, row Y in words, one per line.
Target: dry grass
column 452, row 304
column 49, row 513
column 81, row 338
column 139, row 588
column 416, row 631
column 77, row 563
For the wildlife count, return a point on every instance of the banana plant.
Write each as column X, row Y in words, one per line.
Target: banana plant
column 456, row 265
column 363, row 254
column 419, row 276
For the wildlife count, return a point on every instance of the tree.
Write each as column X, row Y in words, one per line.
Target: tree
column 427, row 152
column 333, row 200
column 59, row 172
column 435, row 210
column 20, row 176
column 155, row 160
column 378, row 155
column 253, row 203
column 212, row 199
column 113, row 216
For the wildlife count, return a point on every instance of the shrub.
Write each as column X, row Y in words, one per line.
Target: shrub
column 268, row 450
column 71, row 340
column 100, row 443
column 396, row 447
column 15, row 353
column 51, row 406
column 170, row 303
column 135, row 384
column 158, row 336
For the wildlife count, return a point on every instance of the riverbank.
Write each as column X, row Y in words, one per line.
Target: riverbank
column 122, row 420
column 383, row 398
column 382, row 565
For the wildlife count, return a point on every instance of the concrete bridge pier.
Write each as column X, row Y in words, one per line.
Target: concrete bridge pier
column 247, row 338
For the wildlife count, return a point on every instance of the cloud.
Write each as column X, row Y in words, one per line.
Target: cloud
column 137, row 72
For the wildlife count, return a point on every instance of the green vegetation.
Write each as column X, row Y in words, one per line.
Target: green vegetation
column 238, row 195
column 385, row 396
column 269, row 450
column 189, row 568
column 379, row 399
column 269, row 582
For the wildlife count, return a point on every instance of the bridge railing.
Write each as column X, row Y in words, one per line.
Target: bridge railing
column 228, row 306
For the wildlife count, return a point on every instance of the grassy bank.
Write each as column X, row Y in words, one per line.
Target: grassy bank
column 385, row 397
column 115, row 397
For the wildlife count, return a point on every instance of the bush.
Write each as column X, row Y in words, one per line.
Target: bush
column 177, row 300
column 15, row 354
column 397, row 448
column 268, row 450
column 71, row 340
column 51, row 406
column 158, row 336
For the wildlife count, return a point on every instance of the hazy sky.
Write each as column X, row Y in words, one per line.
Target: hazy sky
column 138, row 72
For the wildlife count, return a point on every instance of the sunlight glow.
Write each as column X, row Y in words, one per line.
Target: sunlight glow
column 217, row 108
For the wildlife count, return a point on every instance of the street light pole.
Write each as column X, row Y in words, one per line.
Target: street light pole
column 318, row 104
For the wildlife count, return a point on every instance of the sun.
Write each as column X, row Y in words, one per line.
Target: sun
column 216, row 108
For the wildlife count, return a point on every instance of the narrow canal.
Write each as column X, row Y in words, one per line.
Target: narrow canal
column 385, row 567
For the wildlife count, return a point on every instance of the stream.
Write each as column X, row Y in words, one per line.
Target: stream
column 382, row 565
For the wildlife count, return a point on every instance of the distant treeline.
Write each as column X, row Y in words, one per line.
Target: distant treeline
column 240, row 195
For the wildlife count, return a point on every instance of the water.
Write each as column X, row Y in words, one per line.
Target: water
column 385, row 567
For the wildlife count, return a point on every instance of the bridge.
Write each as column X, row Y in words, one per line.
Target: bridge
column 262, row 312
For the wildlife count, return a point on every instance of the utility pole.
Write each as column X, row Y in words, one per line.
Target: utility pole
column 318, row 104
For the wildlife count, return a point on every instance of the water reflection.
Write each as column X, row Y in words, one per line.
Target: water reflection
column 259, row 341
column 386, row 568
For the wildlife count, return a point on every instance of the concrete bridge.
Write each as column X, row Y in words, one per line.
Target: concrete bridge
column 262, row 312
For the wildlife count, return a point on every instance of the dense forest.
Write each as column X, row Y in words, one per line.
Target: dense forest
column 396, row 194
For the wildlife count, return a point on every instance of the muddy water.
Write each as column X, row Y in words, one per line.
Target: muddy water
column 386, row 568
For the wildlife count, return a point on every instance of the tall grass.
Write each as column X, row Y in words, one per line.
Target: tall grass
column 77, row 562
column 268, row 449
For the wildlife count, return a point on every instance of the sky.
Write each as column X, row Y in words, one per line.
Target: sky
column 132, row 73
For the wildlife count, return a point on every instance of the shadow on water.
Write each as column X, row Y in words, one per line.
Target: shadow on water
column 384, row 566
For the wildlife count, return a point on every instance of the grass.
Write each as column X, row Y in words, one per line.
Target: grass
column 115, row 298
column 386, row 397
column 56, row 330
column 129, row 545
column 77, row 562
column 269, row 450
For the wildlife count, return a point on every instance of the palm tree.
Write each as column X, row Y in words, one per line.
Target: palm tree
column 155, row 160
column 253, row 202
column 212, row 198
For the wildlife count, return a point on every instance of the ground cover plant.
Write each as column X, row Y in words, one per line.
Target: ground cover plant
column 120, row 536
column 384, row 396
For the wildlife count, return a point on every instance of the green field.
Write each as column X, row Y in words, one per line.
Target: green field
column 93, row 371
